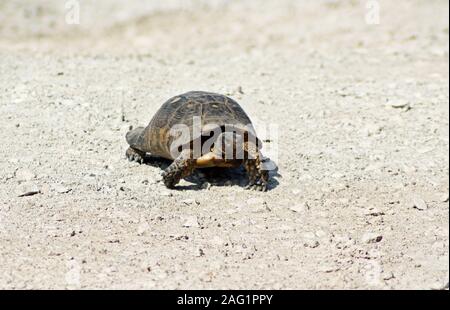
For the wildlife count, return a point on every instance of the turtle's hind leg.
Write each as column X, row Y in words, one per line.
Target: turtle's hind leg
column 135, row 139
column 258, row 178
column 135, row 155
column 181, row 167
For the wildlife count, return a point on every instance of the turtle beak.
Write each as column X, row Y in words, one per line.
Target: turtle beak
column 228, row 145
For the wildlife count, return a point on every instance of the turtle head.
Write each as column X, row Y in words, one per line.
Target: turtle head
column 228, row 145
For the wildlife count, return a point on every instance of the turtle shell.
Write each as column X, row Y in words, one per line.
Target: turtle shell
column 193, row 110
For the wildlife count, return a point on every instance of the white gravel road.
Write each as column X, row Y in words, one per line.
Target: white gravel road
column 360, row 100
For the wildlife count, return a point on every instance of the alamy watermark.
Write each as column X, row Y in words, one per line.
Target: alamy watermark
column 372, row 16
column 72, row 9
column 72, row 276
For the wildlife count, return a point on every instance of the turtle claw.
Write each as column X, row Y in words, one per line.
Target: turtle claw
column 259, row 185
column 179, row 169
column 171, row 177
column 134, row 156
column 136, row 159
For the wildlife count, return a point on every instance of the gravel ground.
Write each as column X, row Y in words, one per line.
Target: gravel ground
column 360, row 197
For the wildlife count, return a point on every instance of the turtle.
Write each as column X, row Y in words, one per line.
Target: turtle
column 213, row 123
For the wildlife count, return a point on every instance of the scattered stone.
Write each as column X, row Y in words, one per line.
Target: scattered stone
column 443, row 197
column 23, row 174
column 419, row 203
column 189, row 202
column 29, row 193
column 61, row 189
column 389, row 276
column 180, row 237
column 191, row 221
column 300, row 207
column 371, row 238
column 310, row 240
column 400, row 104
column 200, row 253
column 374, row 212
column 28, row 190
column 311, row 243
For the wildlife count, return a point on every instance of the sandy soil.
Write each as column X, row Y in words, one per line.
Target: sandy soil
column 360, row 198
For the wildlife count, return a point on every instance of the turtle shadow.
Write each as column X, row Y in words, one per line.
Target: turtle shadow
column 222, row 177
column 157, row 162
column 214, row 176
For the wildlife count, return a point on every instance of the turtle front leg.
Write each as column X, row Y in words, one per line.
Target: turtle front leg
column 258, row 178
column 181, row 167
column 135, row 155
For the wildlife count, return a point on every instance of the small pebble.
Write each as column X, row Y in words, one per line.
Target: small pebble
column 389, row 276
column 191, row 221
column 371, row 238
column 28, row 190
column 310, row 240
column 443, row 197
column 400, row 104
column 142, row 228
column 374, row 212
column 190, row 202
column 200, row 253
column 311, row 244
column 29, row 193
column 418, row 203
column 299, row 208
column 61, row 189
